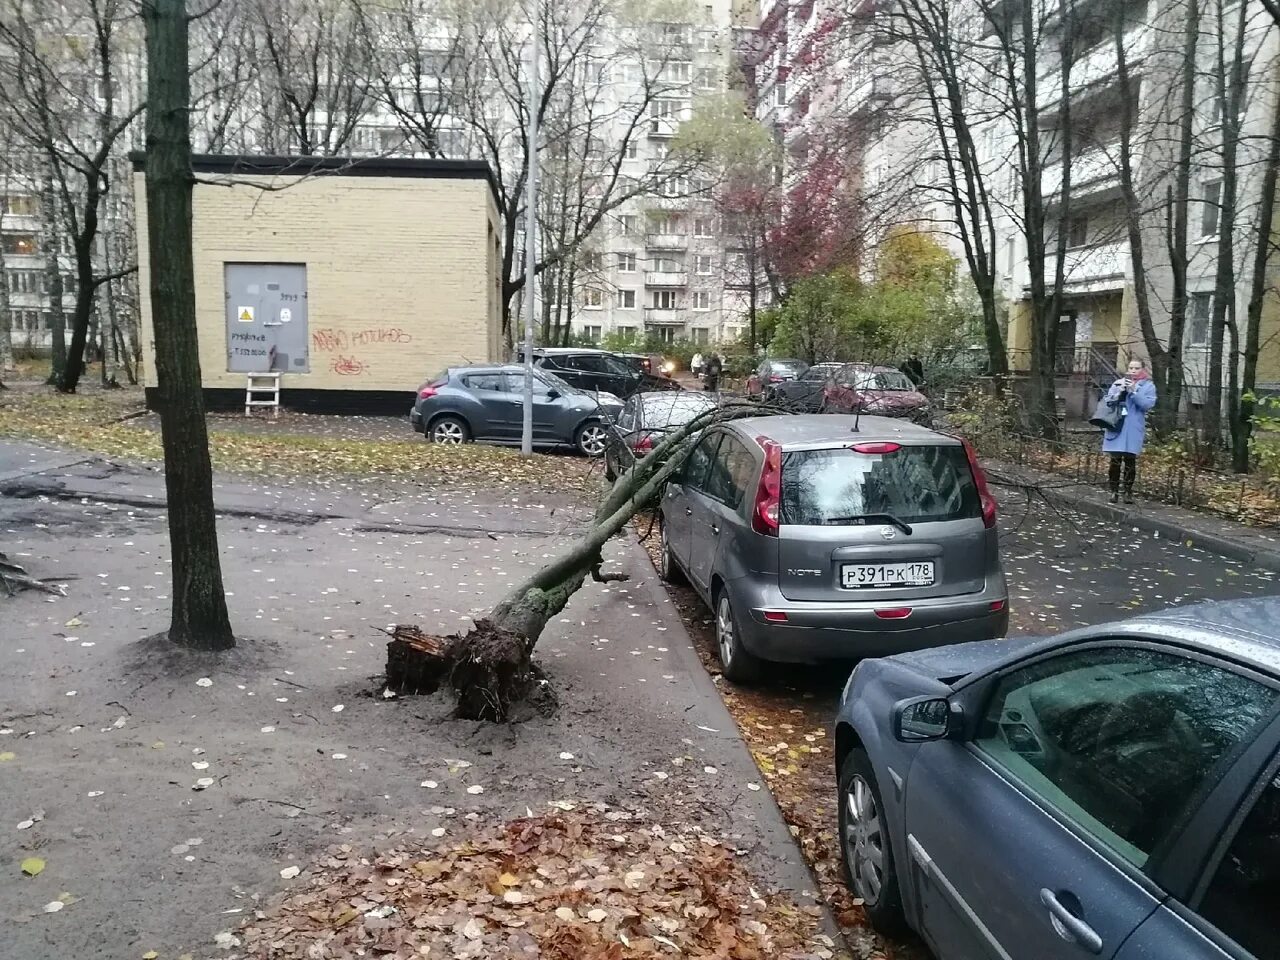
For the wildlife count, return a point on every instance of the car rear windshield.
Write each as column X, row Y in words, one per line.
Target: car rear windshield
column 673, row 409
column 885, row 380
column 793, row 367
column 914, row 484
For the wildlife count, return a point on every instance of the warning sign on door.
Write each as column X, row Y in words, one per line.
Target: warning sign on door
column 286, row 315
column 245, row 314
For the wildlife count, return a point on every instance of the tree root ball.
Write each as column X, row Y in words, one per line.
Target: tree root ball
column 488, row 668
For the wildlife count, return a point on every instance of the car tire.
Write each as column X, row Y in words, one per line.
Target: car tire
column 866, row 854
column 591, row 439
column 668, row 570
column 448, row 430
column 737, row 663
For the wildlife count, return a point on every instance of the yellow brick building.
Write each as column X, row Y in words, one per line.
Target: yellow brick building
column 356, row 279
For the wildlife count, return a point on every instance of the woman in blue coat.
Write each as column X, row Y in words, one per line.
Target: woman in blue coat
column 1134, row 394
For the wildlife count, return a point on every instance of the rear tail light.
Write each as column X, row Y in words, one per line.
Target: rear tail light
column 764, row 518
column 427, row 391
column 886, row 447
column 997, row 606
column 774, row 378
column 980, row 481
column 775, row 616
column 894, row 613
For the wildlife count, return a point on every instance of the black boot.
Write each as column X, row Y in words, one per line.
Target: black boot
column 1115, row 497
column 1128, row 494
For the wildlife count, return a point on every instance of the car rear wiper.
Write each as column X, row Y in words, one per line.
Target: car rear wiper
column 882, row 517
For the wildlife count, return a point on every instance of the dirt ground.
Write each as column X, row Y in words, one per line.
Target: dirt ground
column 163, row 792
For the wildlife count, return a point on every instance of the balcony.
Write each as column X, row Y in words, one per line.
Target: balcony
column 667, row 241
column 663, row 128
column 1090, row 269
column 662, row 278
column 1091, row 172
column 662, row 317
column 1093, row 67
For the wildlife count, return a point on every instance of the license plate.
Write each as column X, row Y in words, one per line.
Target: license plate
column 855, row 576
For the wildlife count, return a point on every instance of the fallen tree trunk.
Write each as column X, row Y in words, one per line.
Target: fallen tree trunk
column 489, row 668
column 14, row 578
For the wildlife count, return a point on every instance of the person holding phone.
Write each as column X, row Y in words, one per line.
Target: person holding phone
column 1134, row 394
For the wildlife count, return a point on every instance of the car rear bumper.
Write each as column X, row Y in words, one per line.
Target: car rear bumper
column 415, row 420
column 842, row 631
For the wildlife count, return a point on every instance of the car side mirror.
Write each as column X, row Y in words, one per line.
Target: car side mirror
column 553, row 394
column 922, row 719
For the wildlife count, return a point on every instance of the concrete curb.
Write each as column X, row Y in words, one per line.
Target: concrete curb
column 1264, row 557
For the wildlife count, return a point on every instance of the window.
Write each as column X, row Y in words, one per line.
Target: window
column 668, row 265
column 1078, row 231
column 20, row 244
column 21, row 206
column 626, row 299
column 593, row 261
column 1199, row 313
column 706, row 41
column 704, row 227
column 731, row 472
column 592, row 332
column 674, row 187
column 593, row 298
column 702, row 264
column 629, row 223
column 626, row 263
column 664, row 108
column 1120, row 740
column 1210, row 208
column 702, row 300
column 1242, row 896
column 633, row 149
column 677, row 72
column 916, row 484
column 487, row 382
column 664, row 299
column 706, row 79
column 701, row 335
column 694, row 472
column 26, row 281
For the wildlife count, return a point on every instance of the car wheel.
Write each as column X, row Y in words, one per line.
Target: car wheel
column 870, row 871
column 449, row 430
column 668, row 570
column 592, row 438
column 736, row 662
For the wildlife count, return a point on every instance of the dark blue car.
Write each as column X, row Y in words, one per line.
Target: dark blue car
column 1112, row 792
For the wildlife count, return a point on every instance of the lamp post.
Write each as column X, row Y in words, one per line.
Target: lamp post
column 530, row 231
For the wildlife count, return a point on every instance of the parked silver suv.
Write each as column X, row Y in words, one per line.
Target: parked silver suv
column 820, row 537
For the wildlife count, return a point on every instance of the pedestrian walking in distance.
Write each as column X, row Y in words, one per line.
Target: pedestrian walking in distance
column 1133, row 395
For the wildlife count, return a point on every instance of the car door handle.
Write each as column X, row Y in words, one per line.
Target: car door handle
column 1067, row 925
column 715, row 529
column 688, row 511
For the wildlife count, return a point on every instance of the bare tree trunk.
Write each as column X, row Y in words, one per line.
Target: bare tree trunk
column 6, row 320
column 199, row 617
column 1242, row 422
column 53, row 280
column 1229, row 92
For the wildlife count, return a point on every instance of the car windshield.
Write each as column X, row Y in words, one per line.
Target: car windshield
column 791, row 368
column 823, row 371
column 912, row 484
column 552, row 380
column 884, row 380
column 618, row 366
column 673, row 409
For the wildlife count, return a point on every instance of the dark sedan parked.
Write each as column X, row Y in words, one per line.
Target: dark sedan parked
column 643, row 422
column 598, row 370
column 806, row 393
column 770, row 373
column 487, row 403
column 1113, row 792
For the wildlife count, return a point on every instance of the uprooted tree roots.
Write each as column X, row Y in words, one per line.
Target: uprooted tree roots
column 14, row 578
column 488, row 668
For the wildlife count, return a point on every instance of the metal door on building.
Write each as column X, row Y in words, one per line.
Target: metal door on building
column 266, row 316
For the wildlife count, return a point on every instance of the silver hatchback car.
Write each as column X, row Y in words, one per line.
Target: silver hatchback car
column 820, row 537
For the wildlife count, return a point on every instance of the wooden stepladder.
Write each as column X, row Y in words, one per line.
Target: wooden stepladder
column 262, row 390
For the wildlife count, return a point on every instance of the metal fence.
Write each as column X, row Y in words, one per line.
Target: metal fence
column 1186, row 484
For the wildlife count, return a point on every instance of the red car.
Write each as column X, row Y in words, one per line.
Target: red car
column 877, row 392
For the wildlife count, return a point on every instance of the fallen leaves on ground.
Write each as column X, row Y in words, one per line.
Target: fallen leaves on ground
column 598, row 882
column 110, row 423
